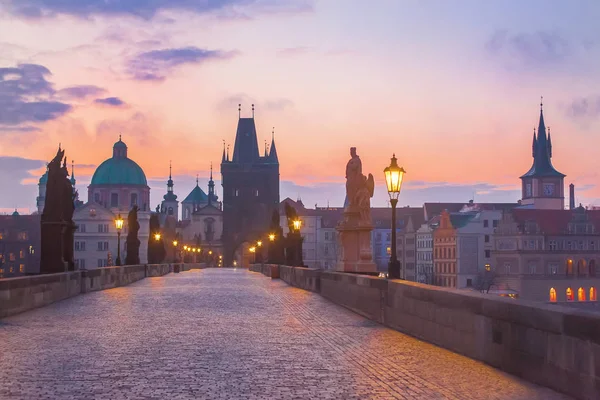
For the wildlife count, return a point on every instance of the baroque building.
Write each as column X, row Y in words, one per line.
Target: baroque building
column 250, row 190
column 117, row 185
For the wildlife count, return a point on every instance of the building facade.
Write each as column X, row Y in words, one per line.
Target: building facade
column 425, row 270
column 250, row 190
column 548, row 255
column 19, row 244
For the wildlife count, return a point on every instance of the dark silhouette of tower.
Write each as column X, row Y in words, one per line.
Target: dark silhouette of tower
column 250, row 188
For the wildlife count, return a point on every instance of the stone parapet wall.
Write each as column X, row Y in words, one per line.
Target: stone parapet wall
column 154, row 270
column 110, row 277
column 550, row 345
column 24, row 293
column 29, row 292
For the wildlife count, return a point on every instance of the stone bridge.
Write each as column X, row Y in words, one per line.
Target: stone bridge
column 228, row 334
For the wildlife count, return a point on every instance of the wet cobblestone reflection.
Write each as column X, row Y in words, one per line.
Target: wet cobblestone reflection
column 228, row 334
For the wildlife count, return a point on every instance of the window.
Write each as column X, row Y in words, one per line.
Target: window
column 570, row 294
column 100, row 228
column 486, row 238
column 236, row 192
column 134, row 199
column 22, row 268
column 81, row 228
column 388, row 236
column 256, row 193
column 487, row 253
column 495, row 223
column 102, row 262
column 22, row 236
column 569, row 267
column 552, row 295
column 532, row 269
column 485, row 223
column 552, row 245
column 76, row 246
column 592, row 245
column 581, row 268
column 552, row 269
column 592, row 268
column 469, row 282
column 580, row 294
column 593, row 296
column 97, row 197
column 21, row 254
column 114, row 200
column 507, row 268
column 11, row 256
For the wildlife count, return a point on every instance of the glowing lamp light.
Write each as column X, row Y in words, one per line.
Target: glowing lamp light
column 272, row 237
column 394, row 175
column 157, row 236
column 175, row 243
column 259, row 243
column 297, row 224
column 210, row 252
column 488, row 267
column 234, row 263
column 185, row 248
column 252, row 249
column 119, row 223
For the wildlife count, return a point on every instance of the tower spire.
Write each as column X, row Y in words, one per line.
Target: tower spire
column 73, row 173
column 223, row 159
column 211, row 171
column 549, row 144
column 533, row 145
column 240, row 110
column 196, row 179
column 252, row 110
column 272, row 149
column 227, row 152
column 170, row 169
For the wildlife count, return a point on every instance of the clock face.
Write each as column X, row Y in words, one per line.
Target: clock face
column 548, row 189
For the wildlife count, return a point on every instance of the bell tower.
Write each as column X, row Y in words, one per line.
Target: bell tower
column 542, row 186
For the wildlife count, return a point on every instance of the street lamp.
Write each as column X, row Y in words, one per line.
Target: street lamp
column 253, row 251
column 297, row 224
column 119, row 226
column 393, row 180
column 272, row 237
column 175, row 250
column 157, row 236
column 259, row 243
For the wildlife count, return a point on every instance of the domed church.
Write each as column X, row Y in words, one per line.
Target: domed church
column 120, row 182
column 117, row 185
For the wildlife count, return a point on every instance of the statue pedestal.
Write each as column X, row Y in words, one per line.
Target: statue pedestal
column 355, row 244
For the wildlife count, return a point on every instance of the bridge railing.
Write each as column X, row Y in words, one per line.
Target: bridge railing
column 554, row 346
column 28, row 292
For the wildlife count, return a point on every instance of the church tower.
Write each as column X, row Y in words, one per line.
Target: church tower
column 542, row 185
column 41, row 198
column 250, row 188
column 170, row 204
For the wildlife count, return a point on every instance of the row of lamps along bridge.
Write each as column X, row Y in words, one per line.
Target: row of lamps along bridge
column 394, row 176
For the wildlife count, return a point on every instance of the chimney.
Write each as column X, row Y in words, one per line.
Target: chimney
column 571, row 196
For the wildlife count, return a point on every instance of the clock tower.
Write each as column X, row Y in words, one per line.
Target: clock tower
column 542, row 185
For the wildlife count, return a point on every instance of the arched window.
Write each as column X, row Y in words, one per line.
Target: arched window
column 569, row 267
column 134, row 199
column 114, row 200
column 592, row 268
column 569, row 294
column 593, row 295
column 581, row 270
column 97, row 197
column 553, row 295
column 581, row 294
column 170, row 211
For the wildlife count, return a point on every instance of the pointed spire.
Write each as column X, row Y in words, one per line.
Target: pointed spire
column 266, row 154
column 239, row 111
column 211, row 187
column 273, row 150
column 227, row 152
column 170, row 169
column 252, row 110
column 73, row 173
column 197, row 179
column 542, row 125
column 223, row 159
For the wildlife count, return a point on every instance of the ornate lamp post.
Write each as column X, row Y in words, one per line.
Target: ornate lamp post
column 393, row 179
column 119, row 226
column 253, row 251
column 157, row 236
column 258, row 255
column 176, row 250
column 297, row 224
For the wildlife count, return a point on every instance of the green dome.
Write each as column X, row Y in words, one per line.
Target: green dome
column 44, row 178
column 119, row 171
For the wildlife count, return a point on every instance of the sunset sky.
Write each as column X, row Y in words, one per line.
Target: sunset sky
column 452, row 87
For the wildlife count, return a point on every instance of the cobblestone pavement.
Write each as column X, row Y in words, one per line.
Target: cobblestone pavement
column 228, row 334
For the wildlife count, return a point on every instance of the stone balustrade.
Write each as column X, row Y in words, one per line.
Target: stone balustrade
column 550, row 345
column 28, row 292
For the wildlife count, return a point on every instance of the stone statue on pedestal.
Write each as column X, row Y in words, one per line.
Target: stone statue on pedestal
column 57, row 219
column 355, row 228
column 133, row 243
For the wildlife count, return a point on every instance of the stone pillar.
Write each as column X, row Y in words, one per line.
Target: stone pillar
column 355, row 245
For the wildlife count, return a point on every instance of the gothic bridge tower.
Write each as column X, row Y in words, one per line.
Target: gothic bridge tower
column 250, row 188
